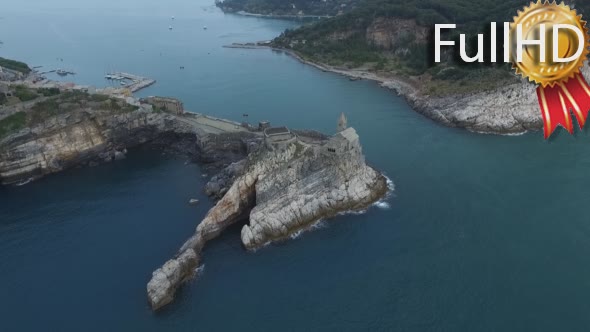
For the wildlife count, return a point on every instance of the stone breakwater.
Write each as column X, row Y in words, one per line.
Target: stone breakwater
column 279, row 189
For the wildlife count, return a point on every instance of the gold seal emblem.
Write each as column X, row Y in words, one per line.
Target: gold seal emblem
column 547, row 16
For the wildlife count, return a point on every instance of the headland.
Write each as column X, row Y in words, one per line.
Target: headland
column 278, row 180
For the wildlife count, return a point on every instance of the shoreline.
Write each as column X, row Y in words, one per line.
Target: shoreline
column 278, row 16
column 400, row 87
column 441, row 109
column 389, row 83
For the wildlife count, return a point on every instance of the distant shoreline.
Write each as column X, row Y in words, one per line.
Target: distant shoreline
column 400, row 86
column 279, row 16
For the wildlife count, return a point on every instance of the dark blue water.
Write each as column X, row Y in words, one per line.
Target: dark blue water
column 483, row 233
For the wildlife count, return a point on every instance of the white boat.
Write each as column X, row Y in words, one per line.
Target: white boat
column 170, row 28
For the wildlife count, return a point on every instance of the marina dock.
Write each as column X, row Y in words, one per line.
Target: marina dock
column 130, row 81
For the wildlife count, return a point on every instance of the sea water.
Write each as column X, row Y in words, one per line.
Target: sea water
column 482, row 233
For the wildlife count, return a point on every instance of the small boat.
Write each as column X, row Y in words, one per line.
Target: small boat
column 123, row 83
column 205, row 27
column 61, row 72
column 170, row 28
column 172, row 16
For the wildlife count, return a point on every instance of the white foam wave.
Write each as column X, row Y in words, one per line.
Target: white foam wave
column 390, row 184
column 501, row 134
column 352, row 212
column 22, row 183
column 383, row 205
column 319, row 224
column 296, row 234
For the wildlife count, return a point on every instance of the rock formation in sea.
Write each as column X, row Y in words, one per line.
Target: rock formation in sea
column 287, row 184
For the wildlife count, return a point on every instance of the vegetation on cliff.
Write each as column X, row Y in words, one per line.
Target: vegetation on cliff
column 76, row 101
column 15, row 65
column 50, row 102
column 12, row 123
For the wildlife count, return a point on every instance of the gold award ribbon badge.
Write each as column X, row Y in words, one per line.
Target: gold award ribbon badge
column 556, row 68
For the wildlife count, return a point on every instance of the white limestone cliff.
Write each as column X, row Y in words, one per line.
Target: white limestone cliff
column 284, row 188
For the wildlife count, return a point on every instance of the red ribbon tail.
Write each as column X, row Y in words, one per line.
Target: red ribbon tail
column 557, row 101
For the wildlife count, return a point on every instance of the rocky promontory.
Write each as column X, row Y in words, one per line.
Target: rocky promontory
column 73, row 128
column 288, row 184
column 275, row 180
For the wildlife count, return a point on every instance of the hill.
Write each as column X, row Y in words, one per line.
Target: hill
column 393, row 37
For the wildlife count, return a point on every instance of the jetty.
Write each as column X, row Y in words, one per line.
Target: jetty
column 130, row 81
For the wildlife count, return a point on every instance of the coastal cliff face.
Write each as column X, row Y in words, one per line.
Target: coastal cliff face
column 387, row 33
column 79, row 137
column 282, row 189
column 509, row 109
column 308, row 184
column 78, row 129
column 506, row 110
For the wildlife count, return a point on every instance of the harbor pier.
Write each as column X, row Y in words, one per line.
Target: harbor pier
column 136, row 82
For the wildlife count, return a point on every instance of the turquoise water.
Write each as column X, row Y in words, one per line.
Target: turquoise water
column 483, row 233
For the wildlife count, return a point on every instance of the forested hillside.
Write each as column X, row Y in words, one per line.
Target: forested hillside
column 395, row 37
